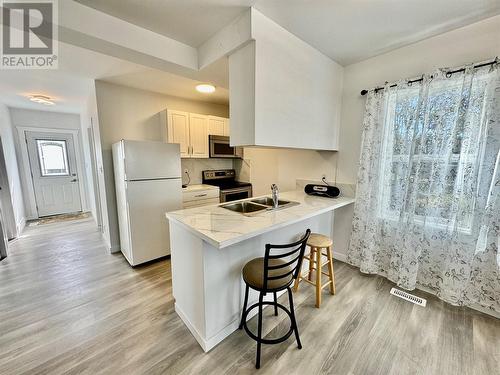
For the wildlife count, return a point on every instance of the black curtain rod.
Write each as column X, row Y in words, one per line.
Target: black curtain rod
column 448, row 74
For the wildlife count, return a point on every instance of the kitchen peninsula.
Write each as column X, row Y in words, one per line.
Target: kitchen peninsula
column 210, row 246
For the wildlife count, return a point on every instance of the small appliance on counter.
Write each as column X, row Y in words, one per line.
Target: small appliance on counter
column 230, row 189
column 327, row 191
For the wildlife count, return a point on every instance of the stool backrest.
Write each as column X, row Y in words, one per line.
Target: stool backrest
column 291, row 260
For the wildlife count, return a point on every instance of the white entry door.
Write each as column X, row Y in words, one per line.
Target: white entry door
column 53, row 167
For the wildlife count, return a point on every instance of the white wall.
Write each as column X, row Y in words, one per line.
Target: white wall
column 297, row 90
column 8, row 142
column 283, row 92
column 98, row 160
column 476, row 42
column 265, row 166
column 196, row 166
column 87, row 117
column 44, row 119
column 54, row 120
column 127, row 113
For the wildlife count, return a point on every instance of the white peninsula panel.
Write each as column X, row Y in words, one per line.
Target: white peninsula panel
column 210, row 246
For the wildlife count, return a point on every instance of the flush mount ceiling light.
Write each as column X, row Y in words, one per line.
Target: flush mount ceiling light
column 205, row 88
column 42, row 99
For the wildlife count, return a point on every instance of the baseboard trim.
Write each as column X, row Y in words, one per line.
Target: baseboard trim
column 114, row 249
column 481, row 309
column 20, row 226
column 191, row 328
column 212, row 342
column 339, row 256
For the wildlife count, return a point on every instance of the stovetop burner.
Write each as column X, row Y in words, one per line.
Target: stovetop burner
column 223, row 185
column 223, row 178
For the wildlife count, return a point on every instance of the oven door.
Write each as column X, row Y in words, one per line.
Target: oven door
column 220, row 148
column 228, row 195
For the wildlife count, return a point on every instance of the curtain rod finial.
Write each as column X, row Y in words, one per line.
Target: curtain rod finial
column 364, row 92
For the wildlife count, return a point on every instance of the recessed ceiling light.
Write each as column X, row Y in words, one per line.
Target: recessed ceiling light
column 205, row 88
column 41, row 99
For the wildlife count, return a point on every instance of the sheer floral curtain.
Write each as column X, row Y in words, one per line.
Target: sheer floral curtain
column 428, row 192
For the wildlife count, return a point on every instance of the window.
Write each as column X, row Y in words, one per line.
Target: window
column 431, row 142
column 53, row 157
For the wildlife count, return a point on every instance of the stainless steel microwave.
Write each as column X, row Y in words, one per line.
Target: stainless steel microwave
column 219, row 147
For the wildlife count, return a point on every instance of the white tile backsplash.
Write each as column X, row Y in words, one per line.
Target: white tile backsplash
column 196, row 166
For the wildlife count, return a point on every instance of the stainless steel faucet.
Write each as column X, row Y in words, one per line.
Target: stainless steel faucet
column 275, row 195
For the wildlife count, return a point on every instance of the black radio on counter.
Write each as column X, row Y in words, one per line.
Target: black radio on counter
column 322, row 190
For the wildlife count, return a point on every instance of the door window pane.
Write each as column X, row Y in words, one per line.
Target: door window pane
column 53, row 157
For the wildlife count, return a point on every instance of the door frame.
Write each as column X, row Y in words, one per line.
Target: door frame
column 95, row 176
column 31, row 209
column 6, row 195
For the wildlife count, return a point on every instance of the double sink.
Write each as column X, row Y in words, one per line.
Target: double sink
column 257, row 205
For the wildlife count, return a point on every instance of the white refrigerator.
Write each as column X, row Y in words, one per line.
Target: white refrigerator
column 148, row 184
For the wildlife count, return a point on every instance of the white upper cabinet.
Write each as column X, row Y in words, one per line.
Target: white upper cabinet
column 189, row 130
column 218, row 126
column 198, row 134
column 215, row 125
column 178, row 130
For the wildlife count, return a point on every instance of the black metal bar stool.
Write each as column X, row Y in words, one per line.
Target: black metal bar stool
column 271, row 274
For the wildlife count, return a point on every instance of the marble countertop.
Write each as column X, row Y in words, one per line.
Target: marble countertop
column 198, row 187
column 221, row 227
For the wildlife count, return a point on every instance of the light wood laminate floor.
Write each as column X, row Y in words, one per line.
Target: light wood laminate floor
column 66, row 306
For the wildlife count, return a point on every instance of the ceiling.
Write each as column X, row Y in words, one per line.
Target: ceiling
column 187, row 21
column 70, row 85
column 345, row 30
column 350, row 31
column 171, row 84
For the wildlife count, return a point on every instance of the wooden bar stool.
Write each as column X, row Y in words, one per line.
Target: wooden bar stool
column 318, row 242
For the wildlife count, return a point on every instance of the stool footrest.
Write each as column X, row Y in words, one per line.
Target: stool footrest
column 308, row 257
column 322, row 265
column 327, row 283
column 314, row 269
column 262, row 340
column 313, row 283
column 308, row 281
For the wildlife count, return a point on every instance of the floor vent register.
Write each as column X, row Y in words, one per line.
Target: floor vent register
column 409, row 297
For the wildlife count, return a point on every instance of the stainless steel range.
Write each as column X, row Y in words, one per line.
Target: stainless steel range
column 230, row 189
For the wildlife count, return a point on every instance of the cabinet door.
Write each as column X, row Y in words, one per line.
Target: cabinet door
column 216, row 125
column 226, row 127
column 178, row 130
column 198, row 135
